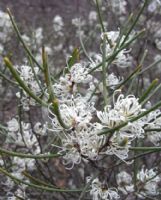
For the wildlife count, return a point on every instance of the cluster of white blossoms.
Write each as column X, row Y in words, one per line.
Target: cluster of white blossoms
column 90, row 126
column 5, row 26
column 58, row 25
column 5, row 32
column 27, row 75
column 18, row 167
column 21, row 134
column 147, row 183
column 100, row 191
column 124, row 182
column 68, row 84
column 154, row 6
column 123, row 58
column 118, row 7
column 90, row 134
column 124, row 109
column 86, row 131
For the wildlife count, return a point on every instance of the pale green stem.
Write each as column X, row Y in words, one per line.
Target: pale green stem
column 113, row 56
column 145, row 148
column 21, row 39
column 102, row 25
column 149, row 67
column 35, row 75
column 49, row 189
column 148, row 90
column 151, row 94
column 35, row 180
column 135, row 21
column 21, row 82
column 23, row 155
column 104, row 77
column 47, row 75
column 7, row 79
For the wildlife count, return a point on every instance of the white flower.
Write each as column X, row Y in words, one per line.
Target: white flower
column 90, row 142
column 128, row 106
column 75, row 113
column 58, row 23
column 133, row 130
column 113, row 81
column 100, row 191
column 118, row 146
column 96, row 59
column 26, row 39
column 119, row 6
column 38, row 34
column 5, row 26
column 28, row 77
column 149, row 183
column 80, row 143
column 25, row 72
column 67, row 85
column 124, row 181
column 77, row 22
column 64, row 88
column 79, row 73
column 13, row 125
column 40, row 129
column 123, row 59
column 110, row 117
column 92, row 17
column 19, row 164
column 70, row 147
column 153, row 6
column 154, row 122
column 26, row 139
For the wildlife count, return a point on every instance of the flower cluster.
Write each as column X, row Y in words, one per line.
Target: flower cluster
column 100, row 191
column 96, row 117
column 21, row 134
column 28, row 76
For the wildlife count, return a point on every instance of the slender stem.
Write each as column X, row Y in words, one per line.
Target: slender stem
column 49, row 189
column 112, row 57
column 153, row 129
column 145, row 148
column 7, row 79
column 36, row 180
column 149, row 89
column 134, row 23
column 104, row 78
column 149, row 67
column 21, row 82
column 82, row 45
column 47, row 75
column 21, row 39
column 151, row 94
column 129, row 77
column 35, row 75
column 99, row 16
column 23, row 155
